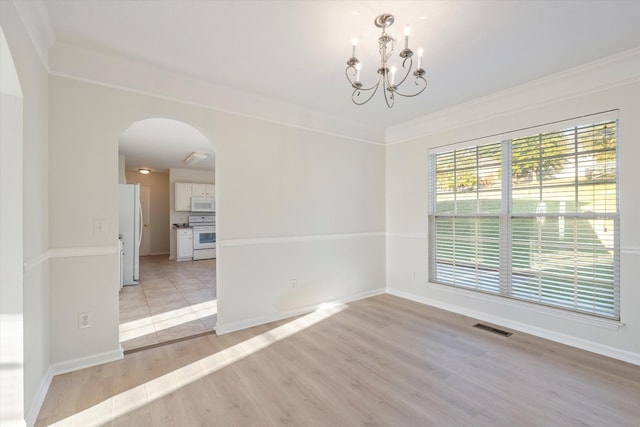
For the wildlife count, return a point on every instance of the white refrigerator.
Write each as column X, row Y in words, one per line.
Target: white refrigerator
column 130, row 232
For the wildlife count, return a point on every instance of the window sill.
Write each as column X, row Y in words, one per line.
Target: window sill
column 532, row 308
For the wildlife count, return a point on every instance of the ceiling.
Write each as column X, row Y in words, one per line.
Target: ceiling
column 161, row 144
column 296, row 51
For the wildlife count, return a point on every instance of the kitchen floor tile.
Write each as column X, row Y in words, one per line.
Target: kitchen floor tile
column 161, row 292
column 197, row 296
column 134, row 313
column 166, row 305
column 141, row 341
column 189, row 285
column 209, row 321
column 174, row 300
column 181, row 331
column 156, row 283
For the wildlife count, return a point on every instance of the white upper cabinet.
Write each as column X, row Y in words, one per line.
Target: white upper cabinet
column 183, row 196
column 186, row 190
column 203, row 190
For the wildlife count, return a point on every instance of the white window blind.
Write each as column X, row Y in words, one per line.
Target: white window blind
column 534, row 218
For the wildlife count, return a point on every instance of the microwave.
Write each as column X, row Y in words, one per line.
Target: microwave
column 203, row 204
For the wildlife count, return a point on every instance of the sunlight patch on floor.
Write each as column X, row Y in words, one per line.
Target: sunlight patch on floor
column 135, row 398
column 149, row 325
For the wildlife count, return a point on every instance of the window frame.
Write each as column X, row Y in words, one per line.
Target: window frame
column 506, row 217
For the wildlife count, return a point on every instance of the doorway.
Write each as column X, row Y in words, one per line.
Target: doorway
column 11, row 260
column 145, row 206
column 173, row 300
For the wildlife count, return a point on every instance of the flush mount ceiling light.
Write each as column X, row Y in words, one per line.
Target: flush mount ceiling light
column 144, row 171
column 386, row 76
column 194, row 158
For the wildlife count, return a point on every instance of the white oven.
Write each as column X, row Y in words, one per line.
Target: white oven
column 204, row 236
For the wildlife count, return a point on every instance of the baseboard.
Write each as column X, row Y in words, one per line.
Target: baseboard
column 87, row 362
column 62, row 368
column 261, row 320
column 158, row 253
column 594, row 347
column 38, row 400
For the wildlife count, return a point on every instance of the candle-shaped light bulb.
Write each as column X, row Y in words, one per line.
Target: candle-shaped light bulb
column 420, row 52
column 355, row 43
column 358, row 66
column 393, row 76
column 407, row 30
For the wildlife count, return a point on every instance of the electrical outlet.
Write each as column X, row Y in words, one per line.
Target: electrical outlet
column 84, row 320
column 294, row 283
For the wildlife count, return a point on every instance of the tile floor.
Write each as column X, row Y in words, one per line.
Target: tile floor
column 173, row 300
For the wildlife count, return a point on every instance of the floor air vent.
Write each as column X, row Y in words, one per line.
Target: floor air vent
column 492, row 329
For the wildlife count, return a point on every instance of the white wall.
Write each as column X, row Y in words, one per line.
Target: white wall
column 183, row 175
column 81, row 193
column 30, row 204
column 272, row 181
column 606, row 85
column 295, row 204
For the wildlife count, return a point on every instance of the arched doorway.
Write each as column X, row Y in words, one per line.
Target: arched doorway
column 11, row 254
column 174, row 295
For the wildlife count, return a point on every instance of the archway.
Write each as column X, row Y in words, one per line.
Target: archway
column 174, row 296
column 11, row 254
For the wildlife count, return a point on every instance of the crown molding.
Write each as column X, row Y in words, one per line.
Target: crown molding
column 138, row 77
column 606, row 73
column 35, row 19
column 134, row 76
column 121, row 73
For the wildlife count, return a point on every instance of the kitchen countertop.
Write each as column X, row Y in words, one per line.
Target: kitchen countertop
column 177, row 226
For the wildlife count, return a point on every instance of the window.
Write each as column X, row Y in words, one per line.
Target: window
column 534, row 217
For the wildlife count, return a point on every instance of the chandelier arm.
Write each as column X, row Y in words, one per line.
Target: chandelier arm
column 389, row 97
column 354, row 72
column 356, row 84
column 408, row 70
column 358, row 91
column 420, row 80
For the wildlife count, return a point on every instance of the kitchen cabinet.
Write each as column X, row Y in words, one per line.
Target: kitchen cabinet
column 186, row 190
column 184, row 241
column 182, row 196
column 203, row 190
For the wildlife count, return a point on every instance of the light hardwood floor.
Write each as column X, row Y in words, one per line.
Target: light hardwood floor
column 382, row 361
column 173, row 300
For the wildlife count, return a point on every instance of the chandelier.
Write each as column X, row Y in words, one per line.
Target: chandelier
column 386, row 76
